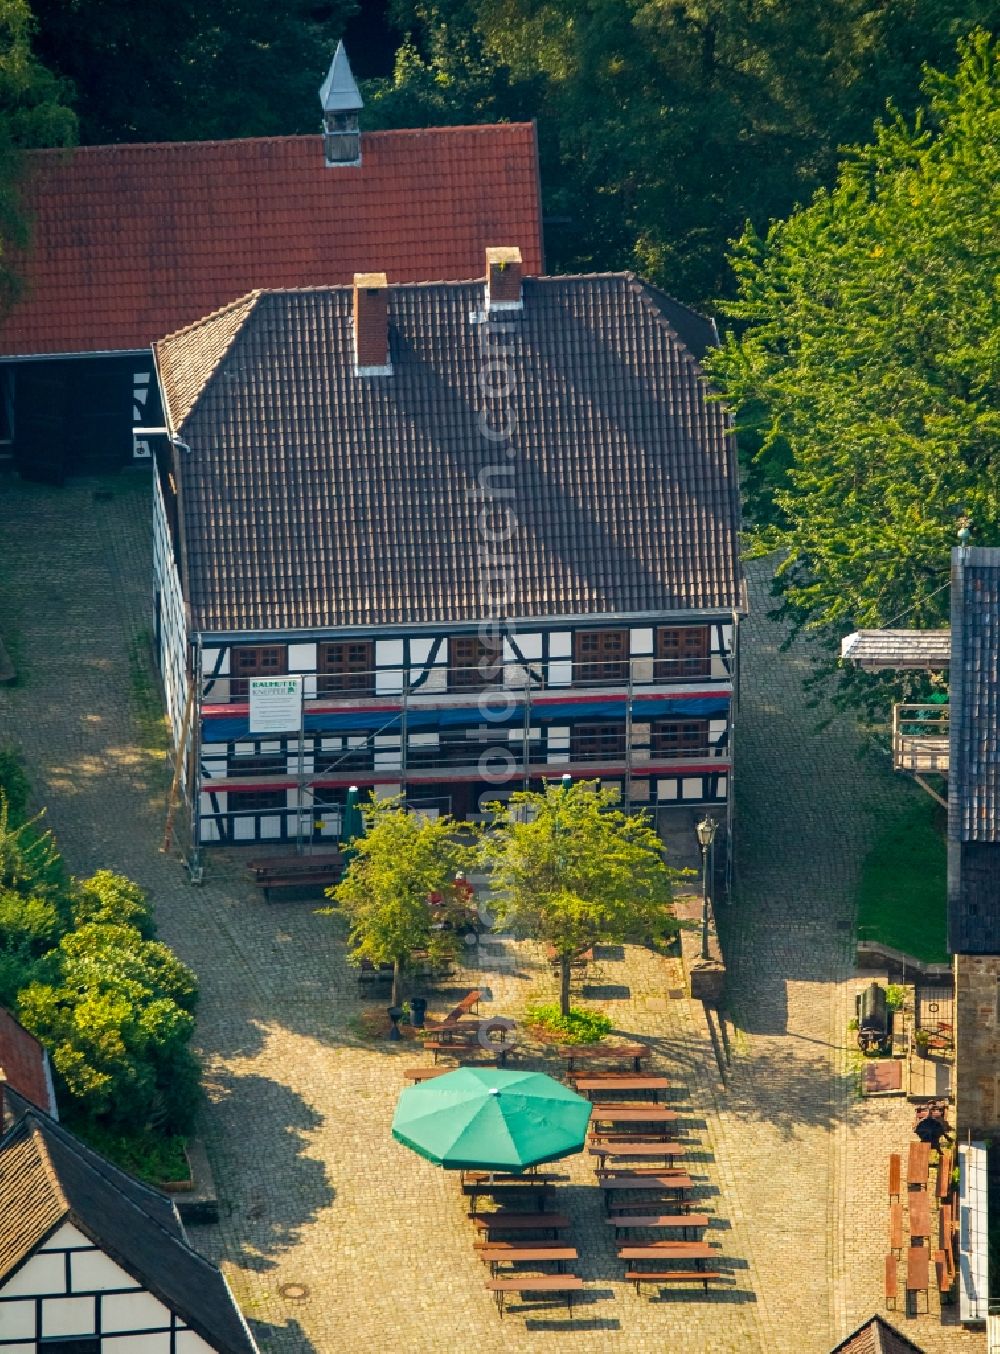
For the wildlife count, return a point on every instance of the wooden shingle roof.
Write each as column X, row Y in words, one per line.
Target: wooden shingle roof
column 312, row 497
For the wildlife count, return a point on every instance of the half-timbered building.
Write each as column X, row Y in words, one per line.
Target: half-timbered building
column 129, row 242
column 488, row 528
column 93, row 1261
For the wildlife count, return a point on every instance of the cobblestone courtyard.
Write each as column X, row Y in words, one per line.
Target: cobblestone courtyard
column 315, row 1194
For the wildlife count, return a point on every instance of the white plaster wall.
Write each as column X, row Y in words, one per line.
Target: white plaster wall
column 133, row 1311
column 41, row 1274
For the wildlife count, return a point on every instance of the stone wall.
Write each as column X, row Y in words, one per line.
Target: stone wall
column 977, row 1044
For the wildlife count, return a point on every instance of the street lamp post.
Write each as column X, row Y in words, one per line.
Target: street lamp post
column 706, row 831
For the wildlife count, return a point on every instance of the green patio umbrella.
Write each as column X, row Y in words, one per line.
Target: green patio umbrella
column 490, row 1119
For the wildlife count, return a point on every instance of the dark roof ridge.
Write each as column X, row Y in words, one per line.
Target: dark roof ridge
column 381, row 133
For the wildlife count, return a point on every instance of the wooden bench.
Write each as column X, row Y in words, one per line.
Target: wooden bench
column 644, row 1151
column 418, row 1074
column 947, row 1237
column 891, row 1280
column 494, row 1256
column 633, row 1114
column 547, row 1283
column 503, row 1221
column 579, row 960
column 310, row 873
column 468, row 1004
column 622, row 1222
column 541, row 1193
column 662, row 1182
column 946, row 1164
column 590, row 1053
column 662, row 1276
column 942, row 1271
column 449, row 1049
column 896, row 1227
column 895, row 1174
column 536, row 1243
column 369, row 973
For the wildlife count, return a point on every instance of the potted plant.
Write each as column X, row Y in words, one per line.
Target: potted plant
column 922, row 1039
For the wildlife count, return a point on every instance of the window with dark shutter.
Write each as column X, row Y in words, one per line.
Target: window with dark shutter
column 600, row 657
column 257, row 660
column 346, row 666
column 679, row 738
column 472, row 664
column 597, row 742
column 682, row 653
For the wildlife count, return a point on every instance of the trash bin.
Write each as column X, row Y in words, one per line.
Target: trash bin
column 418, row 1009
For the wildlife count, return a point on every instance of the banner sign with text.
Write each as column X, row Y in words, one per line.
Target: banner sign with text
column 275, row 704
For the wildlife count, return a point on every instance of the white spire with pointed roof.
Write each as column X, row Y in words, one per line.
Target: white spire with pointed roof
column 340, row 92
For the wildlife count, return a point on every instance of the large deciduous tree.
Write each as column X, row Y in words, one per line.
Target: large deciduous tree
column 33, row 112
column 401, row 861
column 192, row 69
column 571, row 869
column 665, row 124
column 865, row 376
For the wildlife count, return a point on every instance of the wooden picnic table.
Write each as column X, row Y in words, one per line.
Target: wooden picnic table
column 668, row 1250
column 546, row 1283
column 494, row 1256
column 623, row 1222
column 920, row 1213
column 626, row 1084
column 917, row 1270
column 918, row 1164
column 633, row 1053
column 632, row 1114
column 662, row 1182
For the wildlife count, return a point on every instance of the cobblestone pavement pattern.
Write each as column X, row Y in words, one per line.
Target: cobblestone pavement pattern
column 314, row 1191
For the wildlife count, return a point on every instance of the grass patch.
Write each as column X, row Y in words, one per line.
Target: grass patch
column 146, row 1155
column 147, row 708
column 579, row 1027
column 902, row 896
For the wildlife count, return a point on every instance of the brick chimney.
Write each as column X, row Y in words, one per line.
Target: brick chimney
column 371, row 325
column 504, row 272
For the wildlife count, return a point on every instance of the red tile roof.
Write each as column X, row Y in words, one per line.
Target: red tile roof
column 132, row 242
column 22, row 1063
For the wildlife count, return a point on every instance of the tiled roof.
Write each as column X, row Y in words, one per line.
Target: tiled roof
column 316, row 498
column 975, row 694
column 877, row 1337
column 974, row 754
column 47, row 1176
column 23, row 1063
column 132, row 241
column 897, row 650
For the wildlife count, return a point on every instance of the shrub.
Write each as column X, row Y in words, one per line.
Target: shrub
column 114, row 900
column 152, row 1158
column 14, row 783
column 116, row 1013
column 580, row 1026
column 895, row 996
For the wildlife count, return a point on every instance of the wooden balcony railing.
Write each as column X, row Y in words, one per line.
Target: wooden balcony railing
column 920, row 738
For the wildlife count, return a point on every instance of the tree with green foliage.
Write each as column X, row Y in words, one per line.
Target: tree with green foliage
column 401, row 861
column 116, row 1013
column 664, row 124
column 570, row 868
column 193, row 69
column 865, row 373
column 34, row 112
